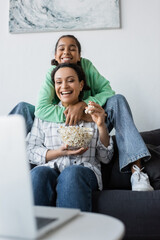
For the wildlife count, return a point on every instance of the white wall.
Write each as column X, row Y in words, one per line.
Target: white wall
column 129, row 57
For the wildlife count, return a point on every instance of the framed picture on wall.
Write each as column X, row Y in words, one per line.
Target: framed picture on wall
column 63, row 15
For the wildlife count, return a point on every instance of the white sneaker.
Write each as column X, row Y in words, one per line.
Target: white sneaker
column 140, row 180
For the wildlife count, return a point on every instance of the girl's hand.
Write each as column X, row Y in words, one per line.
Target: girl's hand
column 74, row 113
column 97, row 113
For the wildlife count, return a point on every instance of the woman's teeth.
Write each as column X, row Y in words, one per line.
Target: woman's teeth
column 63, row 93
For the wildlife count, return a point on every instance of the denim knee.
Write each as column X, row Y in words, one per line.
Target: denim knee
column 21, row 105
column 40, row 176
column 41, row 171
column 19, row 108
column 27, row 111
column 74, row 188
column 72, row 175
column 118, row 99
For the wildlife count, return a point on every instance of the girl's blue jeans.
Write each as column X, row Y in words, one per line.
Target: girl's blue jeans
column 131, row 146
column 72, row 188
column 27, row 111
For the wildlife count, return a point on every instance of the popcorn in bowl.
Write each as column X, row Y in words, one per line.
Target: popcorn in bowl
column 75, row 136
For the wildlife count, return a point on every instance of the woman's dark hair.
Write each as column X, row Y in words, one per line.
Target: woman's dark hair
column 53, row 61
column 78, row 69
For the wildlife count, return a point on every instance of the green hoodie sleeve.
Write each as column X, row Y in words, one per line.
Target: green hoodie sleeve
column 47, row 108
column 100, row 86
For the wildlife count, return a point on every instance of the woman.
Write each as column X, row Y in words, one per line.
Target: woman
column 64, row 177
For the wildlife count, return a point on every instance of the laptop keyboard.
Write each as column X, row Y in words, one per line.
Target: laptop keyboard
column 41, row 222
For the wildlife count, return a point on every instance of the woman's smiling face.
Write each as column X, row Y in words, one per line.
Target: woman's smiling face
column 67, row 51
column 67, row 86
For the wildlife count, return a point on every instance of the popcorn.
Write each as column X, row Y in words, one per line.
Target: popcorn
column 75, row 136
column 89, row 109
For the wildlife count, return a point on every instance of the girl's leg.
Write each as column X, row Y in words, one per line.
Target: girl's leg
column 44, row 181
column 27, row 111
column 130, row 144
column 75, row 186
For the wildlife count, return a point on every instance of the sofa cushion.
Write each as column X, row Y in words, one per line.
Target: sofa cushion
column 118, row 180
column 139, row 211
column 152, row 167
column 111, row 176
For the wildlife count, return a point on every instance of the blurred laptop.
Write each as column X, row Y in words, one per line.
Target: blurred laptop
column 19, row 218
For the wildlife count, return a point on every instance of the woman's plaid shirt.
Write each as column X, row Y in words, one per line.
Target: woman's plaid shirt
column 44, row 136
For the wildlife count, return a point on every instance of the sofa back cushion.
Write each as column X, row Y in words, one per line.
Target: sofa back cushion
column 111, row 176
column 152, row 167
column 151, row 137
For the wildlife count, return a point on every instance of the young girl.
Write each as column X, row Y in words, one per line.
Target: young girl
column 67, row 49
column 130, row 144
column 63, row 177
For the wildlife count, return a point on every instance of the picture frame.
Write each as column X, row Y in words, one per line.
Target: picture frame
column 63, row 15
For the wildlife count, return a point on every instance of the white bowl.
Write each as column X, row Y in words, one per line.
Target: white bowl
column 75, row 136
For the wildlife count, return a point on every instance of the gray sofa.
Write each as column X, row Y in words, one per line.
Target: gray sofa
column 139, row 211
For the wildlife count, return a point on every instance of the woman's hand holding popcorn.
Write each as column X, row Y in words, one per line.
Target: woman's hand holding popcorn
column 98, row 116
column 97, row 113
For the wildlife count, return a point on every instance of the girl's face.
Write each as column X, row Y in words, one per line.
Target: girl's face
column 67, row 51
column 67, row 86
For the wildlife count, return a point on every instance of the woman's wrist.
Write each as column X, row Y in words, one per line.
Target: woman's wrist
column 104, row 135
column 53, row 154
column 102, row 126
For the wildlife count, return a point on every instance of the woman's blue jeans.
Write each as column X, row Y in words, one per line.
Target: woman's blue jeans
column 131, row 146
column 72, row 188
